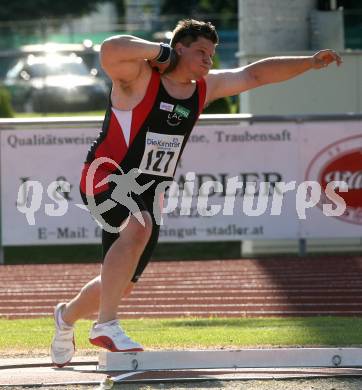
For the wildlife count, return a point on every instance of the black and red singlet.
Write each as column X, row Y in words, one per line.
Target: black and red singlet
column 151, row 136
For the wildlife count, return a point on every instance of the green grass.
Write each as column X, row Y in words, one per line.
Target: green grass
column 27, row 336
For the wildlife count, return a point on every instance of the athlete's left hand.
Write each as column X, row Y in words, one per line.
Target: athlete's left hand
column 324, row 58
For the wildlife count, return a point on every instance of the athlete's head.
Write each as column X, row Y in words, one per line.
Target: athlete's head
column 188, row 30
column 195, row 43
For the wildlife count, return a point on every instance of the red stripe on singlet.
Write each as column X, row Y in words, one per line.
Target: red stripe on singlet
column 115, row 136
column 114, row 147
column 201, row 85
column 141, row 111
column 99, row 175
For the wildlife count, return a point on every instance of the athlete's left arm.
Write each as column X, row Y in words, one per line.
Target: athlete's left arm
column 229, row 82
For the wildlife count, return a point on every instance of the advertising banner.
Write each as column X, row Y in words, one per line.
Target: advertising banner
column 332, row 151
column 233, row 182
column 35, row 165
column 233, row 156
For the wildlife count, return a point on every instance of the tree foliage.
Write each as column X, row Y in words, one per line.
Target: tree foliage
column 199, row 6
column 38, row 9
column 219, row 11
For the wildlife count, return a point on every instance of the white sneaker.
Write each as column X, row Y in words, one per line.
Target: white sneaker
column 112, row 337
column 63, row 347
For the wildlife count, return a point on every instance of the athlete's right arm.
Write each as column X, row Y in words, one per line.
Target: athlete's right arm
column 124, row 56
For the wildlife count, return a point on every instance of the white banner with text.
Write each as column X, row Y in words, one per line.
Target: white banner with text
column 233, row 182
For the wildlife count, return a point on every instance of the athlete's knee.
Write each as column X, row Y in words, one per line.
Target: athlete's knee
column 141, row 227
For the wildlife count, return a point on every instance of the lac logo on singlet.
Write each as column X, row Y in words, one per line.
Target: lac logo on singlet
column 176, row 113
column 341, row 161
column 161, row 154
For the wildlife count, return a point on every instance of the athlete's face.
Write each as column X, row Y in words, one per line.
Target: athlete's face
column 197, row 58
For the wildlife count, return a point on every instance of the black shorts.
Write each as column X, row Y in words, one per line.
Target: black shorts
column 117, row 215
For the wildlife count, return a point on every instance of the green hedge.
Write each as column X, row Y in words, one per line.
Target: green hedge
column 219, row 106
column 93, row 253
column 6, row 110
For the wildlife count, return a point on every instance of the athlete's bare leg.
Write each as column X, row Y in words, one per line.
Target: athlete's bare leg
column 118, row 268
column 85, row 303
column 120, row 264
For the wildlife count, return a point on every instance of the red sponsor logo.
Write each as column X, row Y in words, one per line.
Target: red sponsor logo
column 341, row 161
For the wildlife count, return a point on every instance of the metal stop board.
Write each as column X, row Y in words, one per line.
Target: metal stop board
column 243, row 358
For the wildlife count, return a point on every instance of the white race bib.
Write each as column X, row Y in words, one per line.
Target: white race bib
column 161, row 154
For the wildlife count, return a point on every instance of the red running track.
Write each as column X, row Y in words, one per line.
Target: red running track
column 228, row 288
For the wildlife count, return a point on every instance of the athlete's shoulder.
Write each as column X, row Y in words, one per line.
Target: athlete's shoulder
column 127, row 95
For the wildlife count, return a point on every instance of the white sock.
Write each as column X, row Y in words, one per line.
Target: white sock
column 97, row 326
column 62, row 324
